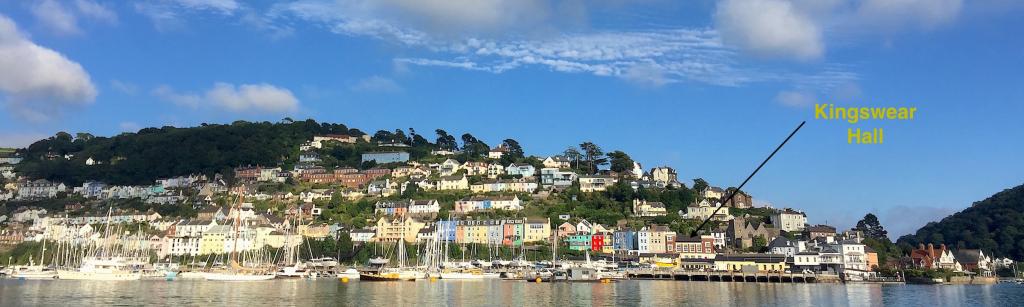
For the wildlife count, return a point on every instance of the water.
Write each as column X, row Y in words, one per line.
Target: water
column 496, row 293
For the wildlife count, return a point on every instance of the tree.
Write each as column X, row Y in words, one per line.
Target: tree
column 593, row 155
column 871, row 228
column 512, row 148
column 620, row 161
column 446, row 141
column 384, row 136
column 417, row 140
column 573, row 155
column 699, row 185
column 759, row 243
column 472, row 146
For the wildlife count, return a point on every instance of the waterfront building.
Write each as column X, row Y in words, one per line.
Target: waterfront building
column 789, row 220
column 750, row 263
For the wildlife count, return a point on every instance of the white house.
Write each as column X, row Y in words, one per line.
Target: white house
column 556, row 162
column 789, row 220
column 521, row 169
column 593, row 183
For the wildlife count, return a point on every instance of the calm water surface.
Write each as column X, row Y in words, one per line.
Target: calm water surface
column 496, row 293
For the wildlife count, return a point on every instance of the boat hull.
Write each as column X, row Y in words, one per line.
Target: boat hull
column 237, row 277
column 105, row 276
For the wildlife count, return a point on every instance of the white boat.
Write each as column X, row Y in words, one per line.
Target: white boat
column 191, row 275
column 96, row 268
column 349, row 273
column 235, row 276
column 293, row 271
column 33, row 272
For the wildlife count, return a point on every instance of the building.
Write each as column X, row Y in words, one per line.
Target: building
column 750, row 263
column 625, row 240
column 419, row 208
column 497, row 152
column 393, row 230
column 385, row 157
column 557, row 162
column 484, row 203
column 40, row 189
column 523, row 185
column 789, row 220
column 701, row 247
column 594, row 183
column 820, row 231
column 932, row 258
column 521, row 169
column 318, row 141
column 664, row 175
column 656, row 239
column 704, row 209
column 557, row 178
column 742, row 232
column 854, row 258
column 643, row 208
column 783, row 246
column 566, row 229
column 975, row 260
column 456, row 182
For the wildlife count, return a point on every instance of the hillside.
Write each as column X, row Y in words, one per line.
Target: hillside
column 995, row 225
column 152, row 153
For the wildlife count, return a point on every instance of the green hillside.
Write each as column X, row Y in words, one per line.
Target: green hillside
column 996, row 225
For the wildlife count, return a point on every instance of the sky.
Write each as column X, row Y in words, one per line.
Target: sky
column 706, row 87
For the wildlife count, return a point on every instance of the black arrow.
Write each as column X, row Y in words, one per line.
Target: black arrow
column 731, row 195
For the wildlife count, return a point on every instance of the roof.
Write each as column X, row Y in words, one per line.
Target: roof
column 821, row 228
column 968, row 256
column 687, row 239
column 780, row 242
column 363, row 230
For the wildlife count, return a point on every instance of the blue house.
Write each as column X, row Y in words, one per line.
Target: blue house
column 625, row 240
column 446, row 230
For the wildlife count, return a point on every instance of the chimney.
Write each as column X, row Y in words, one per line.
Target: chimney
column 931, row 250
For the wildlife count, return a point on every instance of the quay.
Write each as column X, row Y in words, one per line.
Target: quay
column 719, row 276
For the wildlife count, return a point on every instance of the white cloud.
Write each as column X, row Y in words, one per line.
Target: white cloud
column 797, row 99
column 38, row 82
column 253, row 97
column 376, row 84
column 769, row 27
column 56, row 17
column 469, row 16
column 223, row 6
column 96, row 11
column 258, row 98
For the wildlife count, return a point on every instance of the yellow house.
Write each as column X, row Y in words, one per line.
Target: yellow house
column 213, row 240
column 398, row 229
column 537, row 230
column 750, row 263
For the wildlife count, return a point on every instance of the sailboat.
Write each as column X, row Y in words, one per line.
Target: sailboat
column 237, row 272
column 106, row 262
column 399, row 273
column 33, row 271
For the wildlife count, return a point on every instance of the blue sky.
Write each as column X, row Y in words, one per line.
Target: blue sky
column 707, row 87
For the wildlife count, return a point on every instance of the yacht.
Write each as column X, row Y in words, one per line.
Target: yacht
column 101, row 268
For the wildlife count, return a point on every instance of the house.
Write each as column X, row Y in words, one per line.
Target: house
column 309, row 157
column 40, row 189
column 742, row 232
column 478, row 203
column 524, row 185
column 704, row 209
column 554, row 177
column 475, row 168
column 664, row 175
column 655, row 239
column 536, row 230
column 783, row 246
column 975, row 260
column 318, row 141
column 382, row 188
column 579, row 241
column 701, row 247
column 556, row 162
column 625, row 240
column 494, row 170
column 643, row 208
column 385, row 157
column 424, row 207
column 26, row 214
column 361, row 235
column 392, row 230
column 594, row 183
column 714, row 192
column 855, row 258
column 521, row 169
column 212, row 213
column 497, row 152
column 566, row 229
column 932, row 258
column 789, row 220
column 750, row 263
column 820, row 231
column 456, row 182
column 584, row 226
column 449, row 167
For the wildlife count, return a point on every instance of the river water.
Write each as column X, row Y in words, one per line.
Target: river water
column 496, row 293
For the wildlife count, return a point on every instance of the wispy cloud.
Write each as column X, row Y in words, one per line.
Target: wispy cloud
column 376, row 84
column 243, row 98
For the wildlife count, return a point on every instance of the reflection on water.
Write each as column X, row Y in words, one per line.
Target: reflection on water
column 497, row 293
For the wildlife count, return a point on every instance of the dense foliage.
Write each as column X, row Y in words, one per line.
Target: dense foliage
column 152, row 153
column 995, row 224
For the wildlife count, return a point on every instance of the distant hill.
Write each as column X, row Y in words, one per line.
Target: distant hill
column 996, row 225
column 153, row 153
